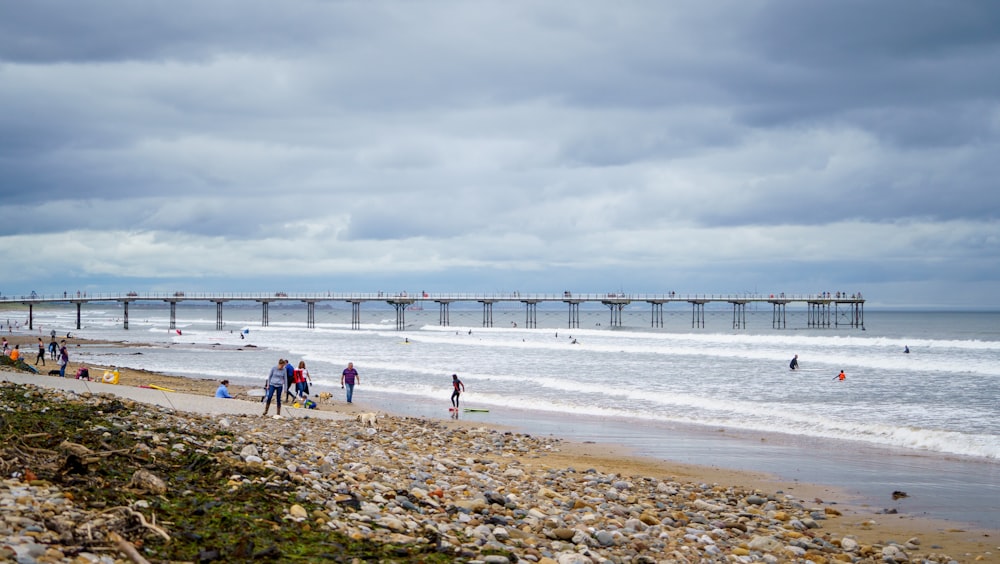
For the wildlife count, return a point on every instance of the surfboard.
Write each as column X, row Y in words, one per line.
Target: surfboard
column 468, row 410
column 161, row 388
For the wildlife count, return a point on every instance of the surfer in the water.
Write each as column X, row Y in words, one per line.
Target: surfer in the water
column 794, row 364
column 459, row 387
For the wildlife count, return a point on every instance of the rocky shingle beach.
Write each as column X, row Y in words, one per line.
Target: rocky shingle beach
column 99, row 478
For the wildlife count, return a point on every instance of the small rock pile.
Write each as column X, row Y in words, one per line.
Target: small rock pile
column 482, row 494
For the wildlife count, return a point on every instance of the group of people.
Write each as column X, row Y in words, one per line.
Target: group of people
column 59, row 353
column 283, row 377
column 794, row 365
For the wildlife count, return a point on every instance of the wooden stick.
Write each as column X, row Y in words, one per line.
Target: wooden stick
column 127, row 548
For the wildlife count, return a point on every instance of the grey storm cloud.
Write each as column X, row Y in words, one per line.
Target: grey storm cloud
column 491, row 137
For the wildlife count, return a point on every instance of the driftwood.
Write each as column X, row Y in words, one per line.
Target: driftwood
column 142, row 520
column 127, row 548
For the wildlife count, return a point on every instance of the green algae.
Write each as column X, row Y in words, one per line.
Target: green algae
column 207, row 517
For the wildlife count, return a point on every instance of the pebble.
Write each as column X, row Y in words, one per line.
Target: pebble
column 482, row 491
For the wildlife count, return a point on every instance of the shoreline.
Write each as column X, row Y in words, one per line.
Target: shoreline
column 867, row 523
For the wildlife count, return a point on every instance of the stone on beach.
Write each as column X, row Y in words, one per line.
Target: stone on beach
column 482, row 493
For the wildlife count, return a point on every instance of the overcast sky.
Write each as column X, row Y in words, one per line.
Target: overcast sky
column 647, row 147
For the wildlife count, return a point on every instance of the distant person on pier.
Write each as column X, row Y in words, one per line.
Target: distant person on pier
column 794, row 364
column 223, row 391
column 348, row 379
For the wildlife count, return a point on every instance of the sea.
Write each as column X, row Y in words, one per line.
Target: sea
column 925, row 423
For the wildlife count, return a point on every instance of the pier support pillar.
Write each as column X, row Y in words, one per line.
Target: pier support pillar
column 574, row 314
column 819, row 314
column 400, row 314
column 264, row 306
column 487, row 312
column 697, row 314
column 530, row 314
column 173, row 313
column 739, row 315
column 218, row 314
column 78, row 305
column 778, row 315
column 444, row 313
column 355, row 314
column 125, row 322
column 31, row 317
column 310, row 314
column 616, row 312
column 656, row 314
column 855, row 314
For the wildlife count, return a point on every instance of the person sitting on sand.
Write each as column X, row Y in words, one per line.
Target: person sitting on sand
column 83, row 373
column 223, row 391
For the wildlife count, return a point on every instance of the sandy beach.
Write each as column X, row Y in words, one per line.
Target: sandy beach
column 865, row 524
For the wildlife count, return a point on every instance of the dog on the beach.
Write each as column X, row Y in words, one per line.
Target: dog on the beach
column 368, row 420
column 53, row 372
column 325, row 397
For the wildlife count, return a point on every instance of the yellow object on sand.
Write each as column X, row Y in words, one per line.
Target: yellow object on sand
column 110, row 377
column 161, row 388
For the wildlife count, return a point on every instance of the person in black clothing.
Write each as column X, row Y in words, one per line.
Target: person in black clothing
column 459, row 387
column 794, row 364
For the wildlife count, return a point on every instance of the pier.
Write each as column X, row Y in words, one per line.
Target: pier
column 823, row 309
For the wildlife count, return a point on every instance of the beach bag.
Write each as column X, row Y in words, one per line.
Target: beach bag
column 62, row 361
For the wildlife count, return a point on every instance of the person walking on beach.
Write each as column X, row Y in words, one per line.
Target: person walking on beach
column 63, row 360
column 223, row 391
column 41, row 352
column 53, row 347
column 794, row 364
column 274, row 383
column 6, row 346
column 289, row 380
column 457, row 385
column 348, row 378
column 302, row 380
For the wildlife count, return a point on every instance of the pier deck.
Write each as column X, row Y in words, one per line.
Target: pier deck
column 824, row 309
